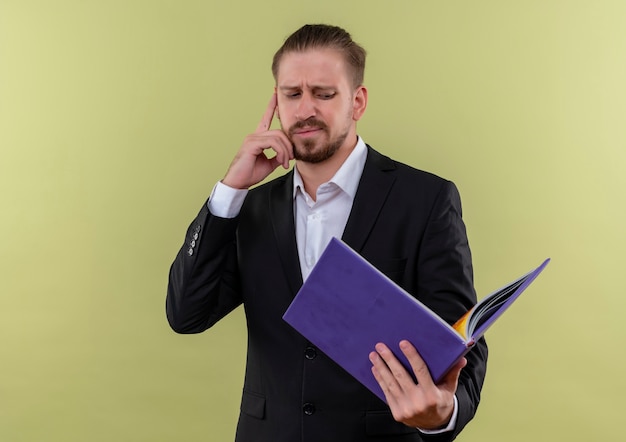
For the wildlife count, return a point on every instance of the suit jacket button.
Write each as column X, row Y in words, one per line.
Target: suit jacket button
column 190, row 251
column 308, row 409
column 310, row 353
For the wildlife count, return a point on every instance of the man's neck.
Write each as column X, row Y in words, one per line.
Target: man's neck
column 315, row 174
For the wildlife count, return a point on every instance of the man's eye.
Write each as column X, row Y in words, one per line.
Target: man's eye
column 325, row 96
column 293, row 95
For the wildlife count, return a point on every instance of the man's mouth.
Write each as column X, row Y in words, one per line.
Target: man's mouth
column 306, row 131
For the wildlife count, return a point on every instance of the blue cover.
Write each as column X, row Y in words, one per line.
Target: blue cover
column 347, row 306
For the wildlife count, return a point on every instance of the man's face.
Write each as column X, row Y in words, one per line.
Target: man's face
column 317, row 104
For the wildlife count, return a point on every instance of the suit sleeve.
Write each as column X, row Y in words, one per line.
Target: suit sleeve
column 446, row 276
column 203, row 281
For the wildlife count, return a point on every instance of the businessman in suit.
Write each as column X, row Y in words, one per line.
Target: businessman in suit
column 256, row 245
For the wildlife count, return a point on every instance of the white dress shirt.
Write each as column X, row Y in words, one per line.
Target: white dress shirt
column 317, row 221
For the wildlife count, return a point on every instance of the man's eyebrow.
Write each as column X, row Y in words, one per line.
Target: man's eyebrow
column 315, row 88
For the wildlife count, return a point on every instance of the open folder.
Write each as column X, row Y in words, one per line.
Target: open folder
column 347, row 306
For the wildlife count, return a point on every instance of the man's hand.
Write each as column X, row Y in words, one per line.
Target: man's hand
column 423, row 405
column 250, row 166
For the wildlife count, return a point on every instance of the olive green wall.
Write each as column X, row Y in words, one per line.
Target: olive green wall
column 117, row 117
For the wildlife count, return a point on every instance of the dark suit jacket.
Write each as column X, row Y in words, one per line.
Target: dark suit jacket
column 404, row 221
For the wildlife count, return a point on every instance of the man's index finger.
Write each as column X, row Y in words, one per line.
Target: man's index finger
column 266, row 121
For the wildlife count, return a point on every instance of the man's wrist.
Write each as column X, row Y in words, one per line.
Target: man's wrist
column 451, row 423
column 226, row 201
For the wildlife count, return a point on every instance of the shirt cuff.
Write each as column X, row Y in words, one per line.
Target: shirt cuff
column 450, row 425
column 226, row 201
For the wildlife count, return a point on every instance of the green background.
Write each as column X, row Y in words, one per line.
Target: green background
column 117, row 117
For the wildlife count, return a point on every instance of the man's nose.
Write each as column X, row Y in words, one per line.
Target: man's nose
column 306, row 108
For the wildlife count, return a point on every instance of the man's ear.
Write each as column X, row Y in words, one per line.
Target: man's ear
column 359, row 103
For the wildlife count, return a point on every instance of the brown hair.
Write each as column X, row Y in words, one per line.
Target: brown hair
column 325, row 36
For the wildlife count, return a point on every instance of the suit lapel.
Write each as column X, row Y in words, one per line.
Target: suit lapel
column 281, row 214
column 374, row 186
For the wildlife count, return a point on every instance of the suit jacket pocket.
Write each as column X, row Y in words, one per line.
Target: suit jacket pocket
column 381, row 423
column 253, row 404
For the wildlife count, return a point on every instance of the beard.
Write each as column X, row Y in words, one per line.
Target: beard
column 312, row 151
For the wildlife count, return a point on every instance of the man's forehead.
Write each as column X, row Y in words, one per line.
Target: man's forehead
column 320, row 67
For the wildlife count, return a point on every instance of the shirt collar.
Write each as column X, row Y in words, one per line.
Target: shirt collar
column 349, row 174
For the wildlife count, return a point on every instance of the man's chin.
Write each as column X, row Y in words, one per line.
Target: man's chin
column 316, row 151
column 314, row 156
column 307, row 156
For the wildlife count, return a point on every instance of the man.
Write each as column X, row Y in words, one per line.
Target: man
column 257, row 246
